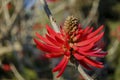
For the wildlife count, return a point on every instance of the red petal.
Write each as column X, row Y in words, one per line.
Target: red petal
column 79, row 51
column 43, row 39
column 93, row 51
column 43, row 49
column 47, row 48
column 53, row 55
column 88, row 41
column 90, row 30
column 95, row 32
column 51, row 39
column 59, row 40
column 80, row 31
column 63, row 68
column 67, row 53
column 51, row 31
column 60, row 35
column 67, row 44
column 86, row 48
column 61, row 31
column 78, row 56
column 88, row 53
column 79, row 26
column 86, row 29
column 93, row 63
column 85, row 65
column 98, row 54
column 58, row 67
column 77, row 37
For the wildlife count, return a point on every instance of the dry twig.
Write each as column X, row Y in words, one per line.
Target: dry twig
column 92, row 13
column 16, row 73
column 82, row 72
column 48, row 12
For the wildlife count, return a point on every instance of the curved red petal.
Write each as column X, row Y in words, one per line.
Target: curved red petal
column 78, row 56
column 93, row 63
column 67, row 53
column 85, row 65
column 88, row 41
column 89, row 53
column 86, row 29
column 51, row 31
column 77, row 37
column 51, row 39
column 98, row 54
column 86, row 48
column 53, row 55
column 43, row 39
column 94, row 51
column 60, row 40
column 62, row 31
column 58, row 67
column 95, row 32
column 63, row 68
column 43, row 49
column 90, row 30
column 47, row 48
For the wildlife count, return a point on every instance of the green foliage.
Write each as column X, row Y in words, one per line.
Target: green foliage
column 30, row 74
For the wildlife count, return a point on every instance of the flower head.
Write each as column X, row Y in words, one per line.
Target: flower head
column 52, row 0
column 6, row 67
column 9, row 5
column 116, row 33
column 72, row 43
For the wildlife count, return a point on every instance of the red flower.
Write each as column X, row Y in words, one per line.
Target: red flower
column 37, row 26
column 79, row 44
column 6, row 67
column 116, row 33
column 52, row 0
column 9, row 6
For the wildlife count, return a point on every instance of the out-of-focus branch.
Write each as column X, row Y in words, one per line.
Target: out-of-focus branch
column 1, row 10
column 16, row 46
column 16, row 73
column 19, row 4
column 6, row 12
column 59, row 8
column 54, row 25
column 48, row 12
column 74, row 7
column 92, row 13
column 112, row 50
column 10, row 20
column 82, row 72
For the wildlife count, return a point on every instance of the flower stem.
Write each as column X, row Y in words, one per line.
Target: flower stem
column 49, row 14
column 82, row 72
column 16, row 73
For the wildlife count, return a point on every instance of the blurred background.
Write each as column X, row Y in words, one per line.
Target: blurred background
column 20, row 19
